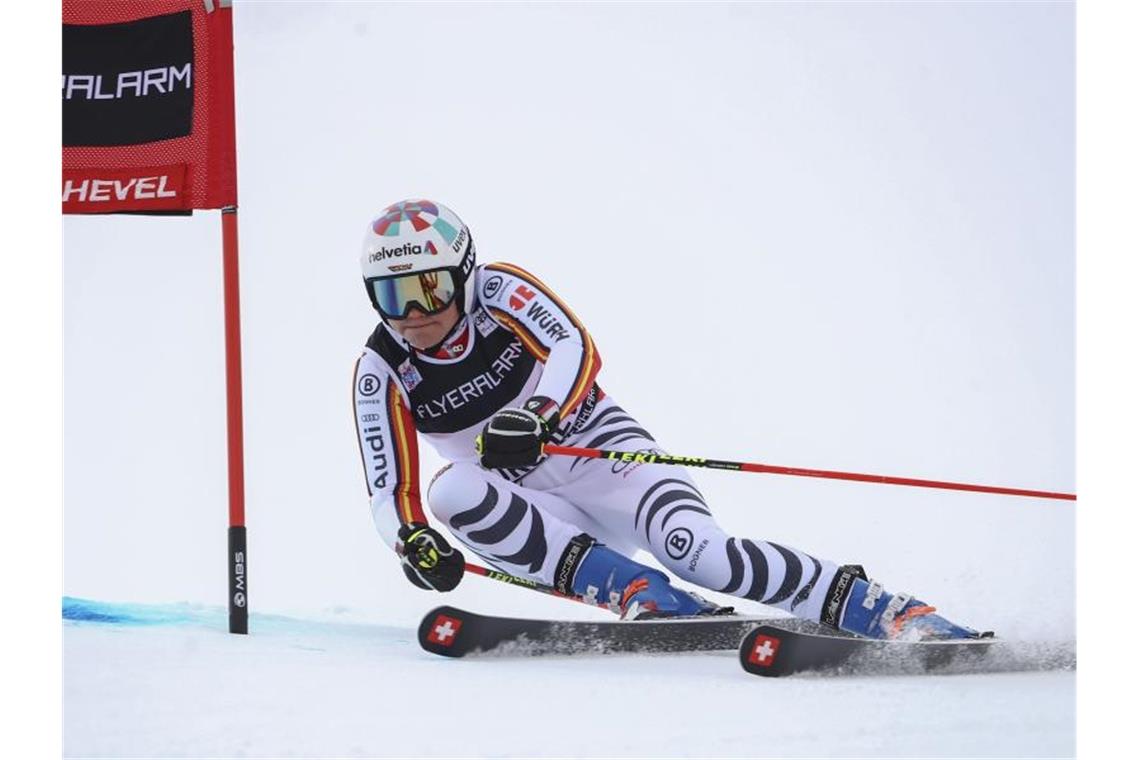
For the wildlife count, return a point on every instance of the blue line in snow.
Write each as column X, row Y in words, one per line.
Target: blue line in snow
column 78, row 611
column 88, row 612
column 91, row 611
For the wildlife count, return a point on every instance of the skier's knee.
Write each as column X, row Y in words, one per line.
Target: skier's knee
column 455, row 488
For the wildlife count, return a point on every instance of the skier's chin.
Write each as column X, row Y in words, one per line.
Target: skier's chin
column 423, row 333
column 424, row 337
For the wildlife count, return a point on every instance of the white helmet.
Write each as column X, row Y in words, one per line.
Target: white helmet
column 418, row 253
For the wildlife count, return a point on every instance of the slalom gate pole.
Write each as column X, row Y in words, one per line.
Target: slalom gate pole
column 720, row 464
column 512, row 580
column 237, row 563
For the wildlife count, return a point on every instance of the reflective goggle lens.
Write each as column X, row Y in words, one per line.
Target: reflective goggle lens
column 430, row 292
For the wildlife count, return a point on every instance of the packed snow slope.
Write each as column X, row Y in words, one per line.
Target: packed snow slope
column 167, row 680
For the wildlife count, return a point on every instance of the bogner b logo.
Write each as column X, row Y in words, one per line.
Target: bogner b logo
column 678, row 542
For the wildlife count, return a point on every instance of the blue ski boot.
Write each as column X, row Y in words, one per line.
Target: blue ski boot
column 632, row 590
column 861, row 606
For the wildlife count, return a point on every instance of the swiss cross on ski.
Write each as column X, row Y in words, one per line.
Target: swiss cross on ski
column 764, row 651
column 444, row 630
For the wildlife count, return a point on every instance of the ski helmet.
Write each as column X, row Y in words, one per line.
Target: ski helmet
column 418, row 253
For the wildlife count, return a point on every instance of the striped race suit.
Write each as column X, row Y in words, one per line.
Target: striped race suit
column 521, row 340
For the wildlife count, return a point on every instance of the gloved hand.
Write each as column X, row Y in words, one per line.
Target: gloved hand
column 428, row 560
column 514, row 437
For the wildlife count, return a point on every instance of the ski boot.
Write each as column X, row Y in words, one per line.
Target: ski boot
column 632, row 590
column 861, row 606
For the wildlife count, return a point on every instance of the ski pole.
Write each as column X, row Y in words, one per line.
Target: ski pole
column 512, row 580
column 720, row 464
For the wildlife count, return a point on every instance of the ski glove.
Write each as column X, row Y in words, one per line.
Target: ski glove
column 428, row 560
column 513, row 438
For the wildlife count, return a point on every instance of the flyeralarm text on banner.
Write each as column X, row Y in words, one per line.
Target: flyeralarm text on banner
column 148, row 116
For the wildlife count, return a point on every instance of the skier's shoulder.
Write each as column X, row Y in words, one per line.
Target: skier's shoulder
column 497, row 282
column 369, row 376
column 383, row 346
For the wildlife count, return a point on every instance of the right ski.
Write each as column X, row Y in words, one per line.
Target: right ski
column 771, row 651
column 453, row 632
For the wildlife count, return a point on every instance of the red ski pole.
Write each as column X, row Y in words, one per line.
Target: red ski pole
column 720, row 464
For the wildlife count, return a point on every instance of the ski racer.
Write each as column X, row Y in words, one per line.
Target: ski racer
column 468, row 353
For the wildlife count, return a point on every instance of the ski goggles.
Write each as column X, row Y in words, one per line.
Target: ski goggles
column 431, row 292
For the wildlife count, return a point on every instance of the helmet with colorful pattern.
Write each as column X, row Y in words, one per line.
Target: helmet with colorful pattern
column 418, row 253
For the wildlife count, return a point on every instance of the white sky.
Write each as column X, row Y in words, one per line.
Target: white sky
column 848, row 226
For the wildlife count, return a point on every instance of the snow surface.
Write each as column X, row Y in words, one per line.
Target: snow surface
column 169, row 681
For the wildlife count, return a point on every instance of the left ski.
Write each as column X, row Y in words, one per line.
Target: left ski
column 453, row 632
column 771, row 651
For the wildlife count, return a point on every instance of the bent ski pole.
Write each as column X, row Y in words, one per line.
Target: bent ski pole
column 720, row 464
column 512, row 580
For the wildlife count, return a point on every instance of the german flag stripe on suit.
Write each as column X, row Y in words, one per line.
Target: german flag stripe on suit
column 406, row 451
column 530, row 343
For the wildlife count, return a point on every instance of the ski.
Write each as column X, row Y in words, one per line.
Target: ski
column 771, row 651
column 453, row 632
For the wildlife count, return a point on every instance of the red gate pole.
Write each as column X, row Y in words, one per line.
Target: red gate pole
column 238, row 585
